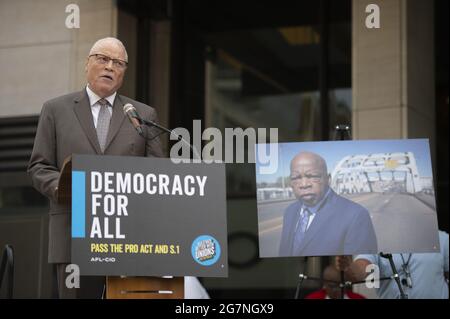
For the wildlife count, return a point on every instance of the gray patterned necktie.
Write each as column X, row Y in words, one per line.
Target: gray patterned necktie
column 104, row 118
column 302, row 226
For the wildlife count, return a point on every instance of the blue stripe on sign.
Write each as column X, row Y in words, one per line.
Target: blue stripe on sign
column 78, row 204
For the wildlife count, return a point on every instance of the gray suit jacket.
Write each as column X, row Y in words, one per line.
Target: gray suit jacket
column 66, row 127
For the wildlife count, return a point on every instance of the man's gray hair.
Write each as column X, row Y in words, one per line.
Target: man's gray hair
column 101, row 42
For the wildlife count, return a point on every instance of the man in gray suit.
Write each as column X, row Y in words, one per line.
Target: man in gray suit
column 87, row 122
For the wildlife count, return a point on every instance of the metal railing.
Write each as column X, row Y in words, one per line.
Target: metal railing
column 7, row 267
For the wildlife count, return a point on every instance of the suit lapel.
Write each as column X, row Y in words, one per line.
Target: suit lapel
column 321, row 218
column 83, row 112
column 116, row 120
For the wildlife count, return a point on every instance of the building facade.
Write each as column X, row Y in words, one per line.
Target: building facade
column 303, row 67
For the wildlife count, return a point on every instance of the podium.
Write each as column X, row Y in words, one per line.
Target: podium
column 122, row 287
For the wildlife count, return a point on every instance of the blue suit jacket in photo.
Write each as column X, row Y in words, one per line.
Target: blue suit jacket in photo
column 340, row 227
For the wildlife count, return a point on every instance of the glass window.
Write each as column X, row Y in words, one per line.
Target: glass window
column 267, row 76
column 262, row 91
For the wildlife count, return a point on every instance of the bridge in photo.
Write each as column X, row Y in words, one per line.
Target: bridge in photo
column 378, row 173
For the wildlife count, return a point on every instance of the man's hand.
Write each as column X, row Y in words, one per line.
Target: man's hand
column 354, row 270
column 342, row 263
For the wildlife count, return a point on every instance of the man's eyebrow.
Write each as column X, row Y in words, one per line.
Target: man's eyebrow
column 315, row 172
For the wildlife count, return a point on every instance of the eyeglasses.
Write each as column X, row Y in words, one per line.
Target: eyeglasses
column 310, row 177
column 103, row 59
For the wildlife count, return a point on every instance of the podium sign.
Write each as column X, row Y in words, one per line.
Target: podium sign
column 137, row 216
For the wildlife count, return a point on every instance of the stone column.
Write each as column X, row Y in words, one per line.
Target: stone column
column 393, row 71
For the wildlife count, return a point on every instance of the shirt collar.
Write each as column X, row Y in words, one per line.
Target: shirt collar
column 314, row 209
column 93, row 98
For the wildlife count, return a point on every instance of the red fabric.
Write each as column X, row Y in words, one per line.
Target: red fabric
column 322, row 294
column 353, row 295
column 319, row 294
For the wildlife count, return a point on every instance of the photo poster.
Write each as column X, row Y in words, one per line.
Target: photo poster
column 347, row 198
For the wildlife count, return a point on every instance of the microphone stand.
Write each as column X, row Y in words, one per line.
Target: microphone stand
column 395, row 275
column 342, row 284
column 171, row 132
column 302, row 277
column 342, row 133
column 299, row 285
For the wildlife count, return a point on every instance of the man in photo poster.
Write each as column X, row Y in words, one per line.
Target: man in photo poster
column 321, row 222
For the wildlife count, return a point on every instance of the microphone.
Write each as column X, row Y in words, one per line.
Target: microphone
column 130, row 111
column 136, row 120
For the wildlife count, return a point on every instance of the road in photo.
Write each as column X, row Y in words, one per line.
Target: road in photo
column 401, row 220
column 270, row 223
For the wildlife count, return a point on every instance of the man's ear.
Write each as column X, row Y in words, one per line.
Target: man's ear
column 329, row 179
